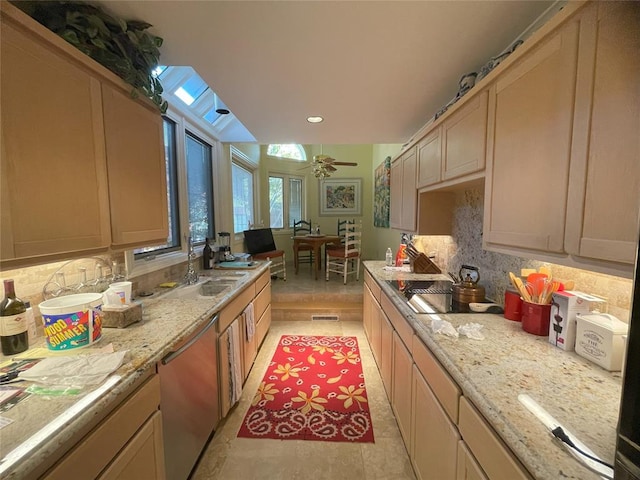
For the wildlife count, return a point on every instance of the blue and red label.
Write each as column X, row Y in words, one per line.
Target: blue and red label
column 72, row 330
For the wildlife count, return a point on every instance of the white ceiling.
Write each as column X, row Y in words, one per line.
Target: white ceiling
column 377, row 71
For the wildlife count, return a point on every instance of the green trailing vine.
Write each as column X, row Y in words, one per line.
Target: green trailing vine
column 123, row 46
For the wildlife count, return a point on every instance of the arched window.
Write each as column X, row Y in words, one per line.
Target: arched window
column 293, row 151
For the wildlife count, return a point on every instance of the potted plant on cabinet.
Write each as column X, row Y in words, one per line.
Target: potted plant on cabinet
column 123, row 46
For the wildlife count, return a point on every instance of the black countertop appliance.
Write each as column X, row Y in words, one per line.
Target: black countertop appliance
column 627, row 460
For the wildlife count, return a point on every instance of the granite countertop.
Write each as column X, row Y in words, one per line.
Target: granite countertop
column 42, row 424
column 492, row 372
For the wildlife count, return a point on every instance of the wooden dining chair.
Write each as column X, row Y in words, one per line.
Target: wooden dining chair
column 305, row 250
column 340, row 233
column 345, row 259
column 262, row 246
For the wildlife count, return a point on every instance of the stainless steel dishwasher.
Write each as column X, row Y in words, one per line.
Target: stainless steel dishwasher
column 189, row 399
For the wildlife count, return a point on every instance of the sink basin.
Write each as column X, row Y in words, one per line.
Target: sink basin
column 203, row 289
column 210, row 285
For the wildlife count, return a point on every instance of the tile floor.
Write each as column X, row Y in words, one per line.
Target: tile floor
column 230, row 458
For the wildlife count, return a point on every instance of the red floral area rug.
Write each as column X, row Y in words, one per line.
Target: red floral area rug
column 313, row 390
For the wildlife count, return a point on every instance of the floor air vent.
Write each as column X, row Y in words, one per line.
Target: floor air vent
column 325, row 318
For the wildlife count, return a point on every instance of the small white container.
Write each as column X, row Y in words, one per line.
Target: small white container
column 599, row 339
column 123, row 289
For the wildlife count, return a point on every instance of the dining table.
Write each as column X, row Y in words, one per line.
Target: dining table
column 316, row 242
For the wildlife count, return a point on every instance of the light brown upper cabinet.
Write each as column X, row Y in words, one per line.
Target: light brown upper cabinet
column 82, row 163
column 403, row 191
column 137, row 171
column 604, row 187
column 563, row 168
column 54, row 179
column 531, row 107
column 430, row 158
column 456, row 147
column 464, row 138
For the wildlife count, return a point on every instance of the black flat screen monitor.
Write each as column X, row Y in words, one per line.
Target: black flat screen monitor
column 259, row 240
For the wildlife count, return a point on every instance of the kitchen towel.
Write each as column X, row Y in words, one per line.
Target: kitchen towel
column 249, row 322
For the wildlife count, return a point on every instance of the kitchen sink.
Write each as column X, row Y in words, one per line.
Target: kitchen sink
column 207, row 287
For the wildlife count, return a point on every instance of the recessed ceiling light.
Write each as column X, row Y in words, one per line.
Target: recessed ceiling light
column 314, row 119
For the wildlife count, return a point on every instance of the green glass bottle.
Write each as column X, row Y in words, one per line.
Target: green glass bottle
column 13, row 322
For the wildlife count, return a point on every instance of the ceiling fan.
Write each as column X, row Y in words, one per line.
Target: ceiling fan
column 324, row 165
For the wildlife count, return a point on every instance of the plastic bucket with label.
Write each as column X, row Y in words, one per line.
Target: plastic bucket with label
column 73, row 321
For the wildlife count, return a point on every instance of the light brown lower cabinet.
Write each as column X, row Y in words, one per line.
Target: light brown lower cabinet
column 493, row 456
column 375, row 340
column 126, row 445
column 401, row 389
column 434, row 438
column 468, row 467
column 367, row 308
column 259, row 292
column 263, row 325
column 142, row 457
column 386, row 352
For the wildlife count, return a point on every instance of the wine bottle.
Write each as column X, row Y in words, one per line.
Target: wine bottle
column 13, row 322
column 207, row 255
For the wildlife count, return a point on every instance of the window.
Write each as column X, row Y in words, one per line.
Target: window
column 286, row 197
column 293, row 151
column 200, row 188
column 170, row 154
column 242, row 184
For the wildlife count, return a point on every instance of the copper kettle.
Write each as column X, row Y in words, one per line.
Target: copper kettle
column 467, row 290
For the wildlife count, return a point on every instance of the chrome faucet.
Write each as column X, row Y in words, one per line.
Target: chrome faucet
column 191, row 276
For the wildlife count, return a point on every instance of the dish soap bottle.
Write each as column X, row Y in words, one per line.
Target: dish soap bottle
column 388, row 258
column 401, row 255
column 207, row 255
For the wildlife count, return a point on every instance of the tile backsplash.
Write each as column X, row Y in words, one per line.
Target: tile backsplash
column 464, row 247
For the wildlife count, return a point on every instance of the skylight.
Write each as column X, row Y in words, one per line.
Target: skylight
column 197, row 97
column 183, row 95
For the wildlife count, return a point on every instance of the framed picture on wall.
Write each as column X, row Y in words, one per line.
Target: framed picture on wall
column 341, row 196
column 381, row 194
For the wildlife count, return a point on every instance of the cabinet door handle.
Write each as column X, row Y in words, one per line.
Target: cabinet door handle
column 169, row 357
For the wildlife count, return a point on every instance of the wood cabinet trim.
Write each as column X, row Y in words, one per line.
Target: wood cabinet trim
column 151, row 432
column 472, row 116
column 401, row 398
column 443, row 386
column 494, row 456
column 430, row 157
column 374, row 288
column 468, row 466
column 235, row 307
column 434, row 438
column 400, row 324
column 94, row 452
column 262, row 301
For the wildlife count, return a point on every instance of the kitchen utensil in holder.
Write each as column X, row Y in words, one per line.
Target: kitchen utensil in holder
column 419, row 262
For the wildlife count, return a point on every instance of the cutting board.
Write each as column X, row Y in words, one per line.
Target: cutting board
column 236, row 265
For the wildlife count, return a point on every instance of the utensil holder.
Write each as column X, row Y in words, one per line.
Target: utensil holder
column 535, row 318
column 422, row 264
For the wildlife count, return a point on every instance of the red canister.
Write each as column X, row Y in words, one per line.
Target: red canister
column 512, row 304
column 535, row 318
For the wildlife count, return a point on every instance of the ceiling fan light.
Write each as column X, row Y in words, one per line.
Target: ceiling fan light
column 321, row 158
